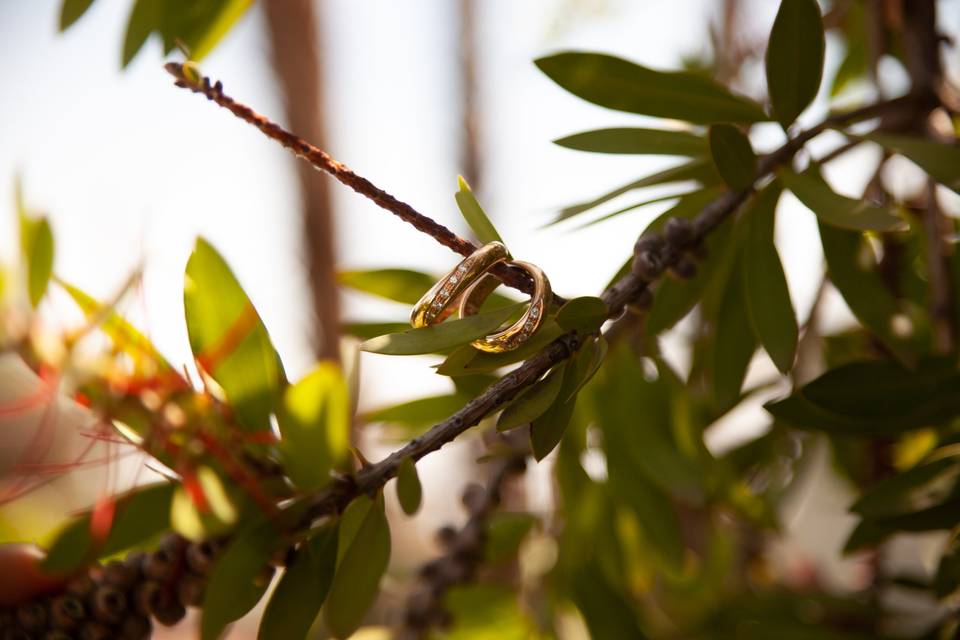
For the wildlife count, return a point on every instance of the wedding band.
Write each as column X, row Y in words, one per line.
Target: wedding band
column 520, row 331
column 437, row 303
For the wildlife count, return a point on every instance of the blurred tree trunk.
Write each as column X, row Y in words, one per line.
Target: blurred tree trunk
column 295, row 44
column 470, row 160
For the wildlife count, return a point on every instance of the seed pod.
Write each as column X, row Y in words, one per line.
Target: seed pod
column 172, row 542
column 649, row 242
column 160, row 565
column 698, row 251
column 135, row 628
column 81, row 586
column 134, row 562
column 190, row 590
column 67, row 612
column 684, row 269
column 474, row 498
column 169, row 612
column 32, row 616
column 646, row 265
column 16, row 634
column 109, row 604
column 118, row 574
column 147, row 596
column 680, row 232
column 643, row 300
column 57, row 634
column 446, row 536
column 200, row 556
column 95, row 631
column 431, row 569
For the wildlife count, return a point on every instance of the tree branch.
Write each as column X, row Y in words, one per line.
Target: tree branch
column 189, row 79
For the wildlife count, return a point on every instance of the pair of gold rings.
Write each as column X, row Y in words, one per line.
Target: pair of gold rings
column 467, row 286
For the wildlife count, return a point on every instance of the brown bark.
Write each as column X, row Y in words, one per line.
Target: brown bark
column 470, row 148
column 296, row 45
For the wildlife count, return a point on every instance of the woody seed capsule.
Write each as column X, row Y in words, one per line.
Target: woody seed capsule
column 679, row 232
column 190, row 590
column 67, row 612
column 684, row 269
column 16, row 634
column 474, row 497
column 119, row 575
column 57, row 634
column 109, row 604
column 160, row 565
column 32, row 616
column 200, row 556
column 95, row 631
column 135, row 628
column 646, row 266
column 147, row 596
column 169, row 612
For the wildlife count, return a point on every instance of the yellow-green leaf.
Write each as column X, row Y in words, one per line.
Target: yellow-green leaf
column 36, row 245
column 448, row 334
column 357, row 580
column 634, row 140
column 474, row 214
column 409, row 491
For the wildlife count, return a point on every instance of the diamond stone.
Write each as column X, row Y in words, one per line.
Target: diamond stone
column 534, row 312
column 454, row 279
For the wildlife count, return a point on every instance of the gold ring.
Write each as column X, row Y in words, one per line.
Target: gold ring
column 517, row 333
column 436, row 304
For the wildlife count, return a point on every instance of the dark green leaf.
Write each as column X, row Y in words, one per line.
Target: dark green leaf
column 547, row 429
column 236, row 585
column 588, row 360
column 941, row 161
column 768, row 301
column 442, row 336
column 228, row 338
column 633, row 140
column 409, row 491
column 315, row 426
column 533, row 402
column 871, row 532
column 505, row 532
column 299, row 594
column 357, row 579
column 420, row 413
column 794, row 58
column 733, row 345
column 619, row 84
column 484, row 362
column 699, row 170
column 145, row 18
column 584, row 315
column 139, row 515
column 947, row 579
column 474, row 214
column 862, row 287
column 733, row 156
column 606, row 610
column 71, row 11
column 875, row 397
column 925, row 485
column 367, row 330
column 837, row 210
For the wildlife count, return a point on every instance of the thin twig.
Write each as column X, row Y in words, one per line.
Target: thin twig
column 322, row 161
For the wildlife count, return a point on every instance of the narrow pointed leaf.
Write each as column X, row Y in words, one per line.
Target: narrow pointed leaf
column 71, row 11
column 927, row 484
column 357, row 579
column 409, row 491
column 633, row 140
column 145, row 18
column 36, row 246
column 474, row 214
column 533, row 402
column 769, row 307
column 229, row 339
column 584, row 315
column 547, row 429
column 400, row 285
column 941, row 161
column 837, row 210
column 733, row 156
column 618, row 84
column 442, row 336
column 420, row 413
column 794, row 60
column 733, row 344
column 300, row 593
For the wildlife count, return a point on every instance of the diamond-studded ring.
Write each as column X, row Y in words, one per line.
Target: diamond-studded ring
column 519, row 332
column 440, row 301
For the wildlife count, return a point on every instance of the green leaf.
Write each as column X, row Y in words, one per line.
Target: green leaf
column 606, row 609
column 299, row 594
column 409, row 491
column 486, row 612
column 357, row 579
column 228, row 338
column 400, row 285
column 533, row 402
column 837, row 210
column 871, row 532
column 315, row 426
column 145, row 18
column 367, row 330
column 199, row 26
column 505, row 533
column 36, row 246
column 71, row 11
column 768, row 301
column 140, row 515
column 420, row 413
column 633, row 207
column 733, row 345
column 622, row 85
column 235, row 584
column 794, row 60
column 448, row 334
column 852, row 68
column 733, row 156
column 124, row 335
column 584, row 315
column 633, row 140
column 230, row 11
column 474, row 215
column 547, row 429
column 699, row 170
column 862, row 288
column 458, row 364
column 941, row 161
column 589, row 360
column 925, row 485
column 875, row 398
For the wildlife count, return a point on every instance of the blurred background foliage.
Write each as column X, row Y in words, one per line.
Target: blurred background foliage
column 725, row 460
